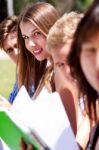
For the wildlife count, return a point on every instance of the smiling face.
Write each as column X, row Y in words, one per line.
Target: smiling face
column 89, row 60
column 34, row 39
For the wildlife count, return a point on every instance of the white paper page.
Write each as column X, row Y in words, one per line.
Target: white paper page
column 3, row 108
column 53, row 125
column 3, row 145
column 22, row 101
column 46, row 115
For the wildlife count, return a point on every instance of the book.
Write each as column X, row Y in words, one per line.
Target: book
column 42, row 122
column 3, row 145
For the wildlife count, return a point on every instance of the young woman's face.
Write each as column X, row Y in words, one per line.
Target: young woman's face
column 59, row 56
column 89, row 60
column 10, row 45
column 34, row 40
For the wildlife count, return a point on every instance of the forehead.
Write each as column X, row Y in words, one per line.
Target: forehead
column 30, row 26
column 27, row 28
column 61, row 52
column 90, row 36
column 91, row 42
column 10, row 39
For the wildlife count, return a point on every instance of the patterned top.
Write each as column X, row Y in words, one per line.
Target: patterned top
column 15, row 91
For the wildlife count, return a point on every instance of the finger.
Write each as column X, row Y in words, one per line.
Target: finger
column 5, row 104
column 30, row 147
column 23, row 145
column 2, row 98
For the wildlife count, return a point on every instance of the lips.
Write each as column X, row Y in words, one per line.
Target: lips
column 37, row 51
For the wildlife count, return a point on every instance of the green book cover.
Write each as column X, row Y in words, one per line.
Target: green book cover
column 42, row 123
column 12, row 134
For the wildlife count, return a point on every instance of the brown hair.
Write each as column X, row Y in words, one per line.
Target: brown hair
column 7, row 26
column 87, row 28
column 43, row 15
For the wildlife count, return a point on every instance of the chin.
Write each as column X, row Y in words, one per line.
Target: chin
column 40, row 58
column 97, row 89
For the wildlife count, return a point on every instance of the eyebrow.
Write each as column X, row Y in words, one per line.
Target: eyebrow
column 58, row 62
column 33, row 31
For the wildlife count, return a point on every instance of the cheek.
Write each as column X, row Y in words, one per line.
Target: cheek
column 83, row 63
column 15, row 40
column 42, row 42
column 66, row 72
column 87, row 67
column 27, row 46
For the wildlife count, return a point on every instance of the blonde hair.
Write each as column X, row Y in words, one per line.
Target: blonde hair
column 62, row 30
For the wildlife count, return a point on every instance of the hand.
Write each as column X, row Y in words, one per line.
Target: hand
column 24, row 146
column 4, row 102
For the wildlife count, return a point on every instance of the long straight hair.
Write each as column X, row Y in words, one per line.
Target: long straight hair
column 43, row 15
column 87, row 28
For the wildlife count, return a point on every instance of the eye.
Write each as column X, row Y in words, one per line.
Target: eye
column 61, row 64
column 25, row 37
column 9, row 50
column 92, row 49
column 37, row 33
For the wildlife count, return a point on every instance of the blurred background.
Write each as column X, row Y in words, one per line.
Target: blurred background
column 13, row 7
column 10, row 7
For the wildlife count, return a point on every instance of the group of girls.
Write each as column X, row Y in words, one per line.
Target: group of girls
column 37, row 69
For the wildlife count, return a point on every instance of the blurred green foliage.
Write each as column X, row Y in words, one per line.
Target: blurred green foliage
column 7, row 77
column 82, row 5
column 61, row 5
column 18, row 5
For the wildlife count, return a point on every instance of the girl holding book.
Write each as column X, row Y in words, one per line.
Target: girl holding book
column 34, row 67
column 33, row 26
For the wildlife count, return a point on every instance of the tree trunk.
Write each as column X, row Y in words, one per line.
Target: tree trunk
column 10, row 9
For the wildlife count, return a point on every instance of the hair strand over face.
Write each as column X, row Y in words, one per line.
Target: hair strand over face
column 43, row 16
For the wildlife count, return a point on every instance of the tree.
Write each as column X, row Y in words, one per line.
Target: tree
column 10, row 10
column 82, row 5
column 19, row 5
column 61, row 5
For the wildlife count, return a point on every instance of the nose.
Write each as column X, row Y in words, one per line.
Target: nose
column 67, row 69
column 30, row 44
column 13, row 42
